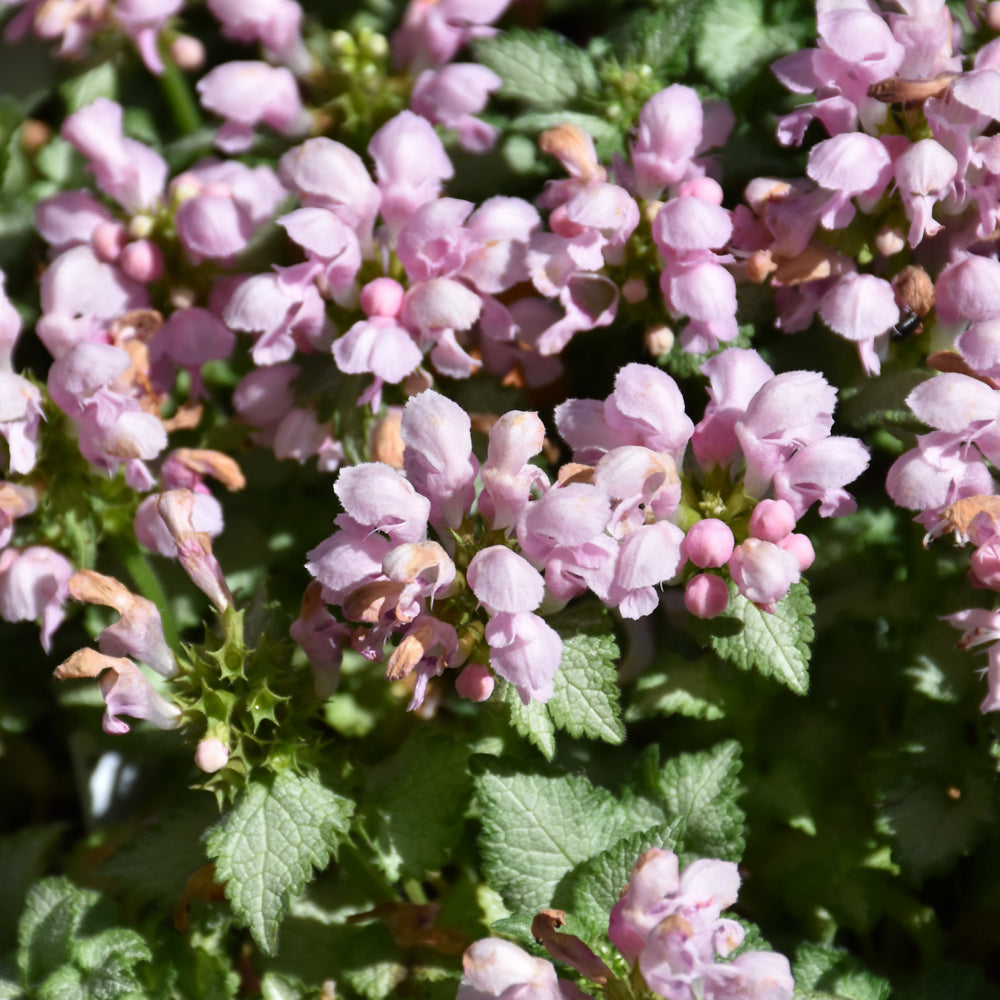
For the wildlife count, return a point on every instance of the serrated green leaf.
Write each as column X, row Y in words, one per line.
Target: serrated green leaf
column 111, row 948
column 775, row 644
column 702, row 789
column 532, row 721
column 659, row 39
column 882, row 399
column 735, row 41
column 537, row 827
column 267, row 846
column 22, row 859
column 538, row 67
column 52, row 915
column 825, row 970
column 419, row 798
column 586, row 700
column 588, row 892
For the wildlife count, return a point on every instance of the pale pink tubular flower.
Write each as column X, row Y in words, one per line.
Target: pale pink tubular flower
column 250, row 93
column 34, row 585
column 668, row 136
column 763, row 572
column 20, row 419
column 438, row 457
column 143, row 20
column 125, row 688
column 861, row 308
column 410, row 166
column 924, row 174
column 526, row 652
column 276, row 24
column 452, row 96
column 433, row 31
column 979, row 627
column 194, row 548
column 139, row 630
column 127, row 170
column 497, row 968
column 507, row 474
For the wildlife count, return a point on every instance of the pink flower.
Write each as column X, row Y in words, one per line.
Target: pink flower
column 525, row 651
column 763, row 572
column 248, row 93
column 34, row 585
column 452, row 96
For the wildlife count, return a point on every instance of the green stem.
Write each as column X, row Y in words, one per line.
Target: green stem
column 183, row 106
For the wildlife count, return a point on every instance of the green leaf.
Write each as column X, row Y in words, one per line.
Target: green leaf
column 266, row 847
column 775, row 644
column 532, row 721
column 419, row 798
column 735, row 41
column 659, row 39
column 537, row 67
column 22, row 860
column 52, row 916
column 588, row 892
column 827, row 970
column 586, row 700
column 537, row 827
column 702, row 789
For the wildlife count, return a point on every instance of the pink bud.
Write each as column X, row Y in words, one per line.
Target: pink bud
column 709, row 543
column 211, row 755
column 188, row 53
column 382, row 297
column 142, row 261
column 108, row 240
column 772, row 520
column 475, row 682
column 706, row 595
column 801, row 548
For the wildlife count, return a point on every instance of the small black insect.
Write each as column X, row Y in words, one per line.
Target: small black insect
column 909, row 325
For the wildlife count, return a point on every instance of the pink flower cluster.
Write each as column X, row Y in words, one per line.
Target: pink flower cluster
column 669, row 929
column 942, row 171
column 608, row 525
column 275, row 24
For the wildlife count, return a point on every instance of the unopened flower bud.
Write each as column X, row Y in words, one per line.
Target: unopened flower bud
column 701, row 187
column 34, row 135
column 188, row 53
column 635, row 290
column 142, row 261
column 659, row 340
column 801, row 547
column 416, row 382
column 772, row 520
column 211, row 755
column 382, row 297
column 107, row 240
column 706, row 595
column 475, row 682
column 709, row 543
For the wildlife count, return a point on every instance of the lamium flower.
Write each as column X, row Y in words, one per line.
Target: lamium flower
column 34, row 586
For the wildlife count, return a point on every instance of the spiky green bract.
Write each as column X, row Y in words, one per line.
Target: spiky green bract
column 69, row 947
column 244, row 686
column 280, row 829
column 551, row 836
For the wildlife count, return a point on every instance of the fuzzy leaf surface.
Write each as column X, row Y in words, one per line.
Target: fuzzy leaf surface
column 267, row 846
